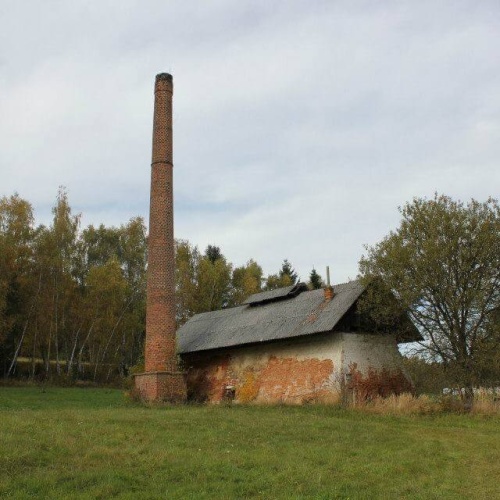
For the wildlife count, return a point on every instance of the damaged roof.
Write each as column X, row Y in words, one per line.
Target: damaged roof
column 280, row 314
column 286, row 292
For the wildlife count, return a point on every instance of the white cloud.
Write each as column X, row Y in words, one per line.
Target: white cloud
column 299, row 127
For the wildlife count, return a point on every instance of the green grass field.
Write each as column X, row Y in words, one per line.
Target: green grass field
column 91, row 443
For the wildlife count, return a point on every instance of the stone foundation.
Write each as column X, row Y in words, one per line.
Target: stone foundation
column 161, row 387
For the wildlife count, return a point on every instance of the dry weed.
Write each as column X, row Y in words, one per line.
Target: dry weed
column 486, row 403
column 402, row 404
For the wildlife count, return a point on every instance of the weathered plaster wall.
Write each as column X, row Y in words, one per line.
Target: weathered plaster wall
column 372, row 365
column 289, row 372
column 370, row 351
column 299, row 371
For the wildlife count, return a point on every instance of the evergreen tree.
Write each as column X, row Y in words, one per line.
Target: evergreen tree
column 288, row 270
column 315, row 280
column 285, row 277
column 213, row 253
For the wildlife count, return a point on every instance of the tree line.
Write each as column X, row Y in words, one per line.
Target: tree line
column 72, row 300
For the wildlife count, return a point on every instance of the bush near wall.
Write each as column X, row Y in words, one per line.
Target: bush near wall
column 375, row 383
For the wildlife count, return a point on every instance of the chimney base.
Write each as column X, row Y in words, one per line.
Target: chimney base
column 161, row 387
column 328, row 291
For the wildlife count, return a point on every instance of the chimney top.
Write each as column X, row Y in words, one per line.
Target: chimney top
column 328, row 290
column 164, row 76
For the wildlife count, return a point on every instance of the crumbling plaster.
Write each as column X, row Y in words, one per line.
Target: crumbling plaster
column 297, row 371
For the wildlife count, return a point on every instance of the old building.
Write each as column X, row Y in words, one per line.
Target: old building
column 292, row 345
column 287, row 345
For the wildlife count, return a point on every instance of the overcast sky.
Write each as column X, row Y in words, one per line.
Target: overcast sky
column 299, row 127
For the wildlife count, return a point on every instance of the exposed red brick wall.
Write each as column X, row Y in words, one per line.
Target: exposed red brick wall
column 290, row 379
column 160, row 349
column 160, row 387
column 277, row 380
column 207, row 377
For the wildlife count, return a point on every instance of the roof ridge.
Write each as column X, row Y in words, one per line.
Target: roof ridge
column 348, row 282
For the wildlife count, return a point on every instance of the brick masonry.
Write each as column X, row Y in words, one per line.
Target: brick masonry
column 168, row 387
column 162, row 380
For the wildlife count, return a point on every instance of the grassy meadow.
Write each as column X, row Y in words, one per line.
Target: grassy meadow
column 92, row 443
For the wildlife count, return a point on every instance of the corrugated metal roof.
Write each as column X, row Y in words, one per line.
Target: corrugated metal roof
column 304, row 314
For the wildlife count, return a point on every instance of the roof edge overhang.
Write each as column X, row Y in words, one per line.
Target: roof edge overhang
column 258, row 343
column 296, row 338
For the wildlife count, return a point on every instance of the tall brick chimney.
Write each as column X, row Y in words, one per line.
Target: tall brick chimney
column 162, row 379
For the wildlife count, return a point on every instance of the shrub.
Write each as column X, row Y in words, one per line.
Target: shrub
column 376, row 383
